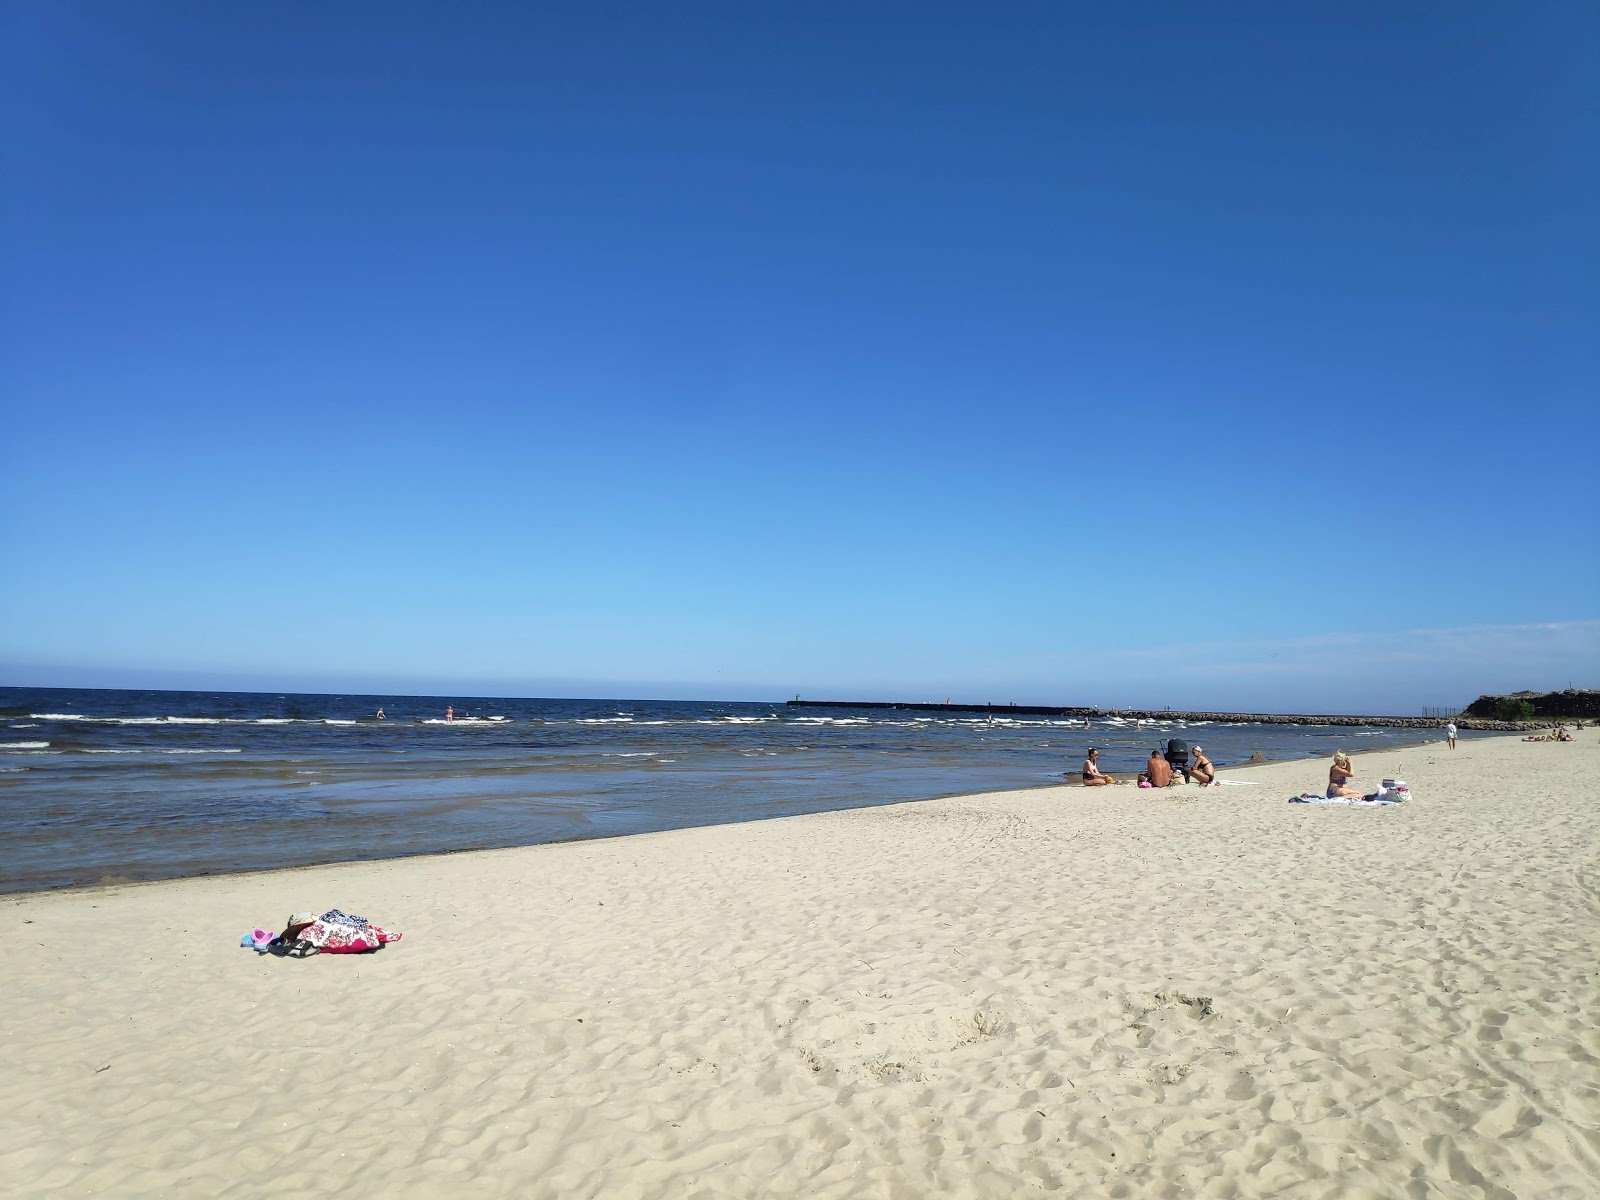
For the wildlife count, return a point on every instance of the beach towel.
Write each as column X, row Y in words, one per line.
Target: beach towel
column 342, row 937
column 1343, row 800
column 333, row 932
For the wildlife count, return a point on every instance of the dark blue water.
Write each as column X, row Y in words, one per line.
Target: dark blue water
column 146, row 785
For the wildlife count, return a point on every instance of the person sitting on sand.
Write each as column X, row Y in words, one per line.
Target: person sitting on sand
column 1202, row 772
column 1093, row 776
column 1339, row 776
column 1158, row 770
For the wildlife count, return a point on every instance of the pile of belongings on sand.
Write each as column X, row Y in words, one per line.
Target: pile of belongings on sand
column 1389, row 793
column 333, row 932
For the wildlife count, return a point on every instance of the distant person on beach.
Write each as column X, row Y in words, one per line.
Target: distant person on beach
column 1450, row 734
column 449, row 712
column 1202, row 772
column 1339, row 776
column 1158, row 770
column 1093, row 776
column 381, row 717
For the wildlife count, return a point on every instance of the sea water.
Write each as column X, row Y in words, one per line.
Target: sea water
column 145, row 785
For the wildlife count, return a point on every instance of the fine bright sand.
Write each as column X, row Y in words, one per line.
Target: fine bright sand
column 1107, row 992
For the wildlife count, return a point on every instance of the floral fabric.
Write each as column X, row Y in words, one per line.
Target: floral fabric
column 337, row 937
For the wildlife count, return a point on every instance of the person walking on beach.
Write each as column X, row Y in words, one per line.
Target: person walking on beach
column 1093, row 776
column 1202, row 772
column 1450, row 734
column 1158, row 770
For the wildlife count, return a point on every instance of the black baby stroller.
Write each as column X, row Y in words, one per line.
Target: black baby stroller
column 1178, row 756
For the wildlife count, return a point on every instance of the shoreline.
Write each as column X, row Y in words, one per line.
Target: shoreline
column 1097, row 991
column 1069, row 779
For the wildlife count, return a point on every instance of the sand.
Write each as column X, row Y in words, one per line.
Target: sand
column 1110, row 992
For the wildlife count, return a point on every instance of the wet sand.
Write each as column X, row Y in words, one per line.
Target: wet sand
column 1195, row 992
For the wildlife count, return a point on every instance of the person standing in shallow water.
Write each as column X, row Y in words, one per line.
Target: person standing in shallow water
column 449, row 712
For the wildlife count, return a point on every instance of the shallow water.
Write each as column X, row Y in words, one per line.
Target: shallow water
column 147, row 785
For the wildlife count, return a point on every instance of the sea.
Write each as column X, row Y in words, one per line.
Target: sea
column 104, row 786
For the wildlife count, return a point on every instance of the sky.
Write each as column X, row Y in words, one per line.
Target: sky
column 1223, row 356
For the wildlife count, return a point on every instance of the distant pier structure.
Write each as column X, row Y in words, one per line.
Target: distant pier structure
column 1147, row 714
column 1031, row 710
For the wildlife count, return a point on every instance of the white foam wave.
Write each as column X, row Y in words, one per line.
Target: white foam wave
column 604, row 721
column 57, row 716
column 24, row 745
column 152, row 750
column 331, row 721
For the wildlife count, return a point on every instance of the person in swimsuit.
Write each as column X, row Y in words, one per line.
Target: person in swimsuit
column 1158, row 770
column 450, row 712
column 1093, row 776
column 1339, row 777
column 1202, row 772
column 381, row 717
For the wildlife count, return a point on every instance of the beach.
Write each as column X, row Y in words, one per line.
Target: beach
column 1189, row 992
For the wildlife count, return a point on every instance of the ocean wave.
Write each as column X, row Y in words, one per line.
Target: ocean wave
column 157, row 750
column 57, row 716
column 24, row 745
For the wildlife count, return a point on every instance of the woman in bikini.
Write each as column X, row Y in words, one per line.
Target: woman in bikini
column 1339, row 776
column 1093, row 776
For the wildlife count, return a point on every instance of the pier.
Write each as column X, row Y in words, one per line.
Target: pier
column 1147, row 714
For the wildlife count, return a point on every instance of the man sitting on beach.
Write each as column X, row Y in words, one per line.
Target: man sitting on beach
column 1158, row 770
column 1093, row 776
column 1202, row 772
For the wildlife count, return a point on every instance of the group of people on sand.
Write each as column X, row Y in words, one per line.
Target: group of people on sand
column 1559, row 734
column 1160, row 771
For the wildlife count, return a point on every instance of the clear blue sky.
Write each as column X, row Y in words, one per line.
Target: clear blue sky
column 1161, row 354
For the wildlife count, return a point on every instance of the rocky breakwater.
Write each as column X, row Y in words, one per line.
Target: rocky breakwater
column 1462, row 722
